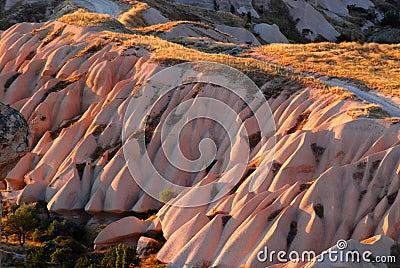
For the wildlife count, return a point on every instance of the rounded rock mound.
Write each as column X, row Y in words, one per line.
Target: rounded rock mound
column 14, row 138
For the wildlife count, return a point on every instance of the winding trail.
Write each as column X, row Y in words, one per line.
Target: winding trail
column 99, row 6
column 370, row 96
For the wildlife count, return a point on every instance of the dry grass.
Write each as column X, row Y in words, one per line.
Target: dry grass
column 169, row 25
column 374, row 65
column 205, row 44
column 133, row 17
column 53, row 35
column 369, row 111
column 92, row 48
column 210, row 46
column 175, row 11
column 343, row 94
column 93, row 20
column 393, row 120
column 152, row 262
column 167, row 54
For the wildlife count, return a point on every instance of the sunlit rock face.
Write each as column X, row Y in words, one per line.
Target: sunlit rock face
column 14, row 138
column 332, row 176
column 75, row 101
column 324, row 186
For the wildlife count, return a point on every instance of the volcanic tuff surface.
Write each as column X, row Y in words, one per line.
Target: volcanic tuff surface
column 267, row 20
column 335, row 174
column 14, row 138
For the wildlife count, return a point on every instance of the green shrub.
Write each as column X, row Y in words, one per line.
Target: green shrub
column 63, row 256
column 36, row 258
column 153, row 247
column 216, row 7
column 83, row 262
column 167, row 195
column 21, row 222
column 248, row 17
column 38, row 236
column 50, row 246
column 67, row 241
column 120, row 256
column 6, row 208
column 343, row 38
column 391, row 18
column 64, row 227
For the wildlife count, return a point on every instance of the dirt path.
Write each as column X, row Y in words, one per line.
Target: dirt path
column 99, row 6
column 369, row 96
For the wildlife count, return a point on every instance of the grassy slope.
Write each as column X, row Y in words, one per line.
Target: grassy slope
column 176, row 11
column 168, row 53
column 93, row 20
column 374, row 65
column 369, row 65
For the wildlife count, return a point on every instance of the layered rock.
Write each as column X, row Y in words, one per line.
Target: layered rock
column 313, row 19
column 14, row 138
column 176, row 30
column 241, row 34
column 316, row 151
column 323, row 183
column 14, row 11
column 270, row 33
column 332, row 176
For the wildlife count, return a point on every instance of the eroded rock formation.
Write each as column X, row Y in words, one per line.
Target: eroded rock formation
column 334, row 176
column 14, row 138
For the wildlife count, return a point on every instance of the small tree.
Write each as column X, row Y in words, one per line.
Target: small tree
column 63, row 256
column 38, row 235
column 110, row 257
column 391, row 18
column 120, row 256
column 233, row 9
column 65, row 227
column 248, row 17
column 216, row 7
column 6, row 229
column 22, row 222
column 36, row 258
column 1, row 211
column 83, row 262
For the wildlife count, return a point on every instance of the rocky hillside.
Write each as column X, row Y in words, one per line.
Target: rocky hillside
column 251, row 22
column 327, row 169
column 14, row 135
column 306, row 21
column 13, row 11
